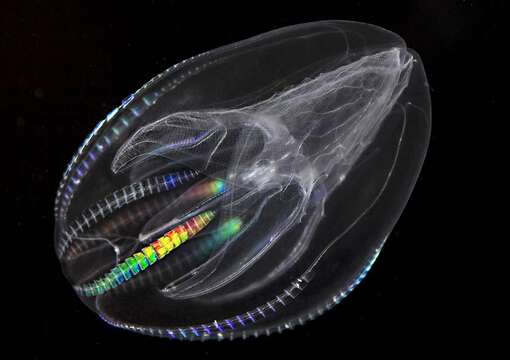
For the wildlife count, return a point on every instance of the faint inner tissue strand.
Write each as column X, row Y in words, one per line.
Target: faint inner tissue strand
column 304, row 138
column 193, row 201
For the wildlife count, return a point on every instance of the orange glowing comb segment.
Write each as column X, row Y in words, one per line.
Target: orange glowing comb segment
column 148, row 256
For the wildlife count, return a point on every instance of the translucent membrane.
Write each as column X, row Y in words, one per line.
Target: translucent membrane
column 249, row 188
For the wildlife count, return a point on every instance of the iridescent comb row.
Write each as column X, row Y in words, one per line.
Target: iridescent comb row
column 150, row 254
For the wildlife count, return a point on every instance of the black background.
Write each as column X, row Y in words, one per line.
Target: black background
column 68, row 63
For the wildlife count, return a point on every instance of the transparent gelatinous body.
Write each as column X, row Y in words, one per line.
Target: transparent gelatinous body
column 249, row 188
